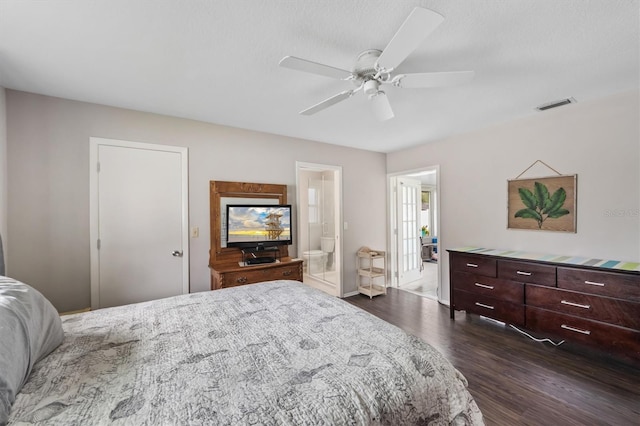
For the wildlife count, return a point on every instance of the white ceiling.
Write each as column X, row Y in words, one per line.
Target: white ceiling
column 217, row 60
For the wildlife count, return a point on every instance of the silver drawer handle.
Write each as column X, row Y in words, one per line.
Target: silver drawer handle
column 490, row 287
column 472, row 265
column 577, row 330
column 523, row 273
column 594, row 283
column 482, row 305
column 577, row 305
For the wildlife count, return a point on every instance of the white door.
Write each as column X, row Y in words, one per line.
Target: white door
column 408, row 226
column 139, row 222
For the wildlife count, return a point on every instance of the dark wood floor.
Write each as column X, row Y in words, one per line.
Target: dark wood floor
column 514, row 380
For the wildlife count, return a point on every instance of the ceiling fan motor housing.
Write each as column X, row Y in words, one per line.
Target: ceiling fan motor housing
column 365, row 67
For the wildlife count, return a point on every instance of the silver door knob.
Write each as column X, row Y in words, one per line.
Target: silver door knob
column 176, row 253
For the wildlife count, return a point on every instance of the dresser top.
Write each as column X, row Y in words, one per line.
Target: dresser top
column 566, row 260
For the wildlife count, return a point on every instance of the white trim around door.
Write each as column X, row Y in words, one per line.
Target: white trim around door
column 327, row 224
column 394, row 220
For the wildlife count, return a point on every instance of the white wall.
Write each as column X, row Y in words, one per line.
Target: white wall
column 3, row 169
column 48, row 189
column 598, row 140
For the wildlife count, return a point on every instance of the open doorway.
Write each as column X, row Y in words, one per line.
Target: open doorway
column 319, row 225
column 415, row 242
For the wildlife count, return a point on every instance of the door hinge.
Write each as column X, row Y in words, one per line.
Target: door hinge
column 98, row 167
column 98, row 244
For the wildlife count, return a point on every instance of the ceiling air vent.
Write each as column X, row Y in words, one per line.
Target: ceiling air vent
column 555, row 104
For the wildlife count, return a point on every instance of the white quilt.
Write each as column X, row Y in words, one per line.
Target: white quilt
column 276, row 353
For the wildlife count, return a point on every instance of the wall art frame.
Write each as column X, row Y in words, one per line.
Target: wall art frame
column 543, row 204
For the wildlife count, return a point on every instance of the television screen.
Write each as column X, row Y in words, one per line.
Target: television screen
column 258, row 225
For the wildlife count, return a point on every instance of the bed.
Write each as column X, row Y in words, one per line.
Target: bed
column 273, row 353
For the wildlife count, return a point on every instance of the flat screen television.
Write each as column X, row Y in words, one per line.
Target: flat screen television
column 258, row 226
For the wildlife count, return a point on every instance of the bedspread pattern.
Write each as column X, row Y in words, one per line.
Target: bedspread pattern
column 268, row 353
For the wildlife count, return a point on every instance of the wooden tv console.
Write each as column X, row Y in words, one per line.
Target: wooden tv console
column 224, row 262
column 588, row 301
column 232, row 274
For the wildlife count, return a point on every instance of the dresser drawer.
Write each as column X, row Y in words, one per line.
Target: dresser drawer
column 500, row 310
column 612, row 311
column 508, row 291
column 527, row 272
column 232, row 279
column 479, row 265
column 612, row 284
column 594, row 333
column 286, row 272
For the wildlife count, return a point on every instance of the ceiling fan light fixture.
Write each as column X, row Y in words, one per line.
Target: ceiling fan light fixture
column 371, row 87
column 381, row 106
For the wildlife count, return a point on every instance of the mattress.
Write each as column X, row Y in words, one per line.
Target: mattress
column 274, row 353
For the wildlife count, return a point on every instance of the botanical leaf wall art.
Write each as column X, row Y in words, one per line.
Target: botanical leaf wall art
column 547, row 203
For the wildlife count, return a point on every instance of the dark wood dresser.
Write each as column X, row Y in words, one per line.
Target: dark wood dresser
column 591, row 302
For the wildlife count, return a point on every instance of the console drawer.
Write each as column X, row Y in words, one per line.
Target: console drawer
column 479, row 265
column 612, row 311
column 490, row 307
column 594, row 333
column 287, row 272
column 233, row 279
column 508, row 291
column 612, row 284
column 527, row 272
column 280, row 271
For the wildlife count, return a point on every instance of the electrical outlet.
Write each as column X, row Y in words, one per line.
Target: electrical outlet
column 195, row 232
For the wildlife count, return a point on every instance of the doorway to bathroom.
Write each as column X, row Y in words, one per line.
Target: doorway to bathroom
column 319, row 207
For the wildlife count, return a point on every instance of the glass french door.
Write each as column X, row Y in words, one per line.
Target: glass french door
column 408, row 202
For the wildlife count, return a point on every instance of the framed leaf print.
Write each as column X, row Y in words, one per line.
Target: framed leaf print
column 547, row 204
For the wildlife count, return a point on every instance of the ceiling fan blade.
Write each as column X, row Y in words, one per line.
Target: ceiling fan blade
column 433, row 79
column 381, row 107
column 313, row 67
column 418, row 25
column 328, row 102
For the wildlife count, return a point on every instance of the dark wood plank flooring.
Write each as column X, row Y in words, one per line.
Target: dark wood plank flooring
column 514, row 380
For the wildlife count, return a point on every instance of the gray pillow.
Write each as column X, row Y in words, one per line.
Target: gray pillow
column 30, row 328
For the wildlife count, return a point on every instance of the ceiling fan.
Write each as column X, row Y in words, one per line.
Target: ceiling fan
column 374, row 68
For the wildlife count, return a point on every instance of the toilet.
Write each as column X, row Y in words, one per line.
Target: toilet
column 320, row 260
column 314, row 260
column 327, row 245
